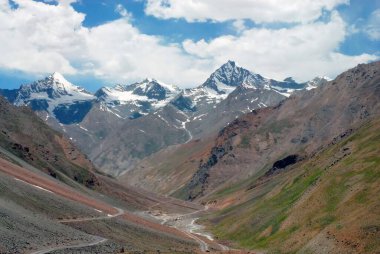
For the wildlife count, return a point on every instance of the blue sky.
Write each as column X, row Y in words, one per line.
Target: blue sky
column 102, row 42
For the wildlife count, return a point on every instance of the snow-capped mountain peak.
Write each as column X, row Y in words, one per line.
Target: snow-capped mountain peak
column 229, row 78
column 317, row 81
column 225, row 79
column 58, row 77
column 53, row 87
column 140, row 97
column 57, row 97
column 150, row 83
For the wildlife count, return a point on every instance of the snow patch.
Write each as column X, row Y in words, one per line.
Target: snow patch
column 80, row 126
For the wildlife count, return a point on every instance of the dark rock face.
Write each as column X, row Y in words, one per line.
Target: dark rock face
column 39, row 105
column 152, row 90
column 156, row 92
column 289, row 160
column 9, row 94
column 199, row 181
column 283, row 163
column 100, row 93
column 135, row 115
column 145, row 106
column 184, row 104
column 73, row 113
column 288, row 83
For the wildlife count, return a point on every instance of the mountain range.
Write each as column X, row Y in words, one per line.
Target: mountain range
column 118, row 126
column 239, row 164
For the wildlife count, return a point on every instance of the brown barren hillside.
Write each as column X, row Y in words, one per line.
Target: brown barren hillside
column 25, row 135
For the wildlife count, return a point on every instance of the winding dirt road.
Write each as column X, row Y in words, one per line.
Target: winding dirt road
column 81, row 245
column 105, row 217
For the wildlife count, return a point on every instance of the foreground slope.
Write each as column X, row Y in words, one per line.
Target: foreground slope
column 41, row 214
column 327, row 203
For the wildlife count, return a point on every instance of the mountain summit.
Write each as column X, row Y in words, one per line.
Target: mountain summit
column 53, row 87
column 225, row 79
column 57, row 97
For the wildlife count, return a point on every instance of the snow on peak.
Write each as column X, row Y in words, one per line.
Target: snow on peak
column 53, row 87
column 150, row 82
column 322, row 78
column 229, row 76
column 317, row 81
column 60, row 79
column 53, row 93
column 150, row 90
column 119, row 87
column 58, row 82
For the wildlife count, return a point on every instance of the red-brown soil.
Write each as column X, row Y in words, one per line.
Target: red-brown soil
column 53, row 186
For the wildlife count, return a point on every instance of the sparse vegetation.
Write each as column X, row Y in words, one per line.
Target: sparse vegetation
column 311, row 199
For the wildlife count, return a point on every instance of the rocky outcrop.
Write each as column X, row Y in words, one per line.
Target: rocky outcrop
column 283, row 164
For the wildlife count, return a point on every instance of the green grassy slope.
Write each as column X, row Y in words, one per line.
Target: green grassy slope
column 329, row 202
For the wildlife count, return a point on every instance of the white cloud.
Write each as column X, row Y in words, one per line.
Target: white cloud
column 260, row 11
column 372, row 29
column 301, row 51
column 122, row 11
column 34, row 38
column 38, row 38
column 119, row 51
column 239, row 25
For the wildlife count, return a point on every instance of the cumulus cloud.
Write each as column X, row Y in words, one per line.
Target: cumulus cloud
column 40, row 38
column 300, row 11
column 117, row 50
column 34, row 37
column 300, row 51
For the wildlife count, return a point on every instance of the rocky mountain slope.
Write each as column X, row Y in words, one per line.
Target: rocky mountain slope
column 28, row 137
